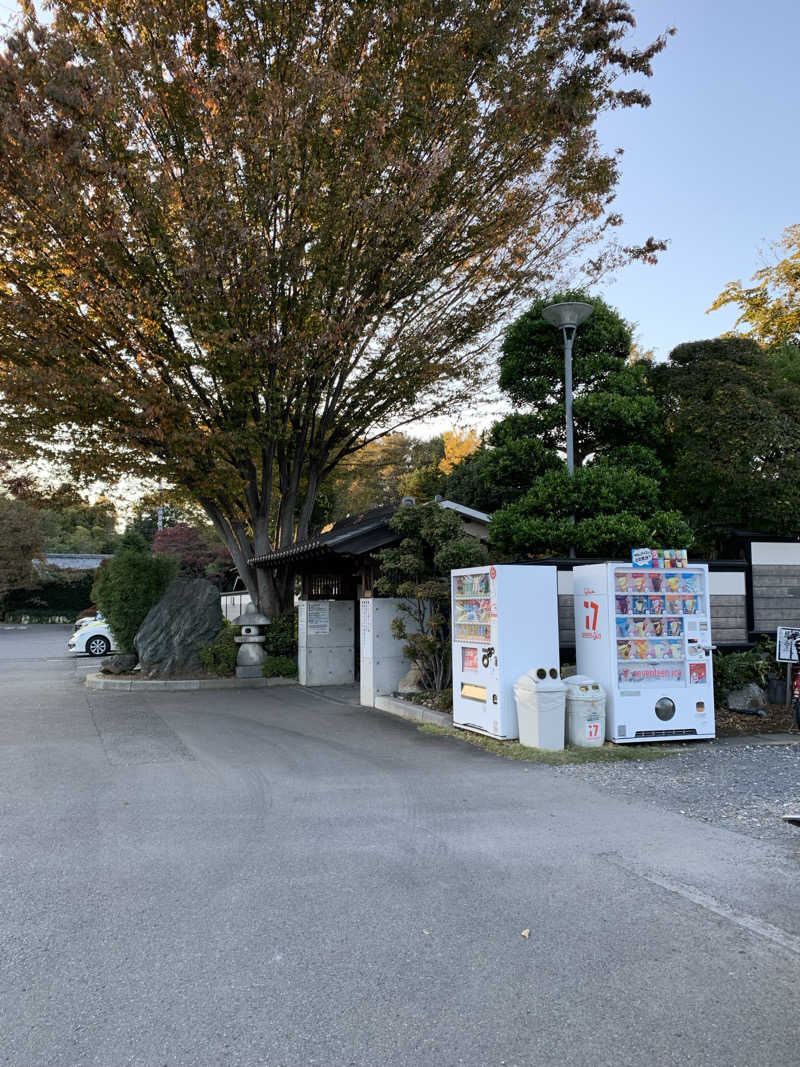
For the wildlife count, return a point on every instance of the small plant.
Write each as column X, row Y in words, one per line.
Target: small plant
column 733, row 670
column 219, row 657
column 418, row 572
column 279, row 667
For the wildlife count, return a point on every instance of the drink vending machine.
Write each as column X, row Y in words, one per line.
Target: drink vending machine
column 505, row 622
column 645, row 635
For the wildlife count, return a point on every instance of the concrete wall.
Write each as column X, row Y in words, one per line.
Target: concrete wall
column 326, row 642
column 382, row 661
column 776, row 584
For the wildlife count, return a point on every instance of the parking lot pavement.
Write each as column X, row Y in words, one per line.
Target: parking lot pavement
column 280, row 877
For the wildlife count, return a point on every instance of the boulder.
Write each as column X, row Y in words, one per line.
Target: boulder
column 186, row 619
column 748, row 698
column 119, row 664
column 411, row 682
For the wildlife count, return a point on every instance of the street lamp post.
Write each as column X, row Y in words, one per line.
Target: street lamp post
column 567, row 316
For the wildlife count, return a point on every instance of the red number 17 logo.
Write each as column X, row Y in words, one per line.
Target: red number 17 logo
column 591, row 620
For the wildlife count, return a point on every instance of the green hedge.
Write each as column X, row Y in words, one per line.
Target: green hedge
column 58, row 594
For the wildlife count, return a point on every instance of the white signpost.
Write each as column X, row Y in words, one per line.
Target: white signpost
column 786, row 652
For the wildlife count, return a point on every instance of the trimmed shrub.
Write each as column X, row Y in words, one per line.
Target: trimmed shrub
column 57, row 593
column 131, row 583
column 279, row 667
column 281, row 636
column 219, row 657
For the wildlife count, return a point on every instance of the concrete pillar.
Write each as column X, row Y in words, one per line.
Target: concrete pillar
column 326, row 648
column 382, row 661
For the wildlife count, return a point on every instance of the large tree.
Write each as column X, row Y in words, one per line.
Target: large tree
column 732, row 450
column 21, row 541
column 239, row 237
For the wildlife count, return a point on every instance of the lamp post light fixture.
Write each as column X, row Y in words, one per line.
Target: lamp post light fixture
column 567, row 316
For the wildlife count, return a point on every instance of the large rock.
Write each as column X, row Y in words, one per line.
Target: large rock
column 122, row 663
column 186, row 618
column 749, row 698
column 411, row 682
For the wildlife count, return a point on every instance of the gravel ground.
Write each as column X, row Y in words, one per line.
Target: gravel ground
column 744, row 788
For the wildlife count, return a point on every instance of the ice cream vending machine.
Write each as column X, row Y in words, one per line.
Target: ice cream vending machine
column 505, row 622
column 645, row 635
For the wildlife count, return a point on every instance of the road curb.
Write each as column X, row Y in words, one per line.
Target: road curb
column 749, row 740
column 404, row 709
column 135, row 685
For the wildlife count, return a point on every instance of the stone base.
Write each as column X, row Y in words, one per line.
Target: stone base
column 249, row 670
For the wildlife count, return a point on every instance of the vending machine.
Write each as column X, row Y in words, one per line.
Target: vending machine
column 505, row 622
column 645, row 635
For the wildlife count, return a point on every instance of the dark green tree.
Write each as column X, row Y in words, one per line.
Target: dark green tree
column 505, row 466
column 613, row 397
column 418, row 571
column 131, row 583
column 616, row 508
column 733, row 448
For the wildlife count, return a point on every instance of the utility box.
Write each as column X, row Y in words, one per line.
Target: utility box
column 585, row 712
column 540, row 697
column 325, row 642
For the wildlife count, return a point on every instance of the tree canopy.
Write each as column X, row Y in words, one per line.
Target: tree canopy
column 769, row 309
column 237, row 237
column 612, row 403
column 21, row 541
column 732, row 454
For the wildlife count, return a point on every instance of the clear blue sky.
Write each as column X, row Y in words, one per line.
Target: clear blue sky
column 712, row 165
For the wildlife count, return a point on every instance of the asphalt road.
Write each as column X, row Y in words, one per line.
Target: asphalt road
column 278, row 877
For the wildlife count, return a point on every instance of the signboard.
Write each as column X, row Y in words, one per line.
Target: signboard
column 318, row 617
column 787, row 650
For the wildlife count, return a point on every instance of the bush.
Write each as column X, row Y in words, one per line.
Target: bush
column 732, row 670
column 56, row 593
column 281, row 636
column 219, row 656
column 279, row 667
column 129, row 585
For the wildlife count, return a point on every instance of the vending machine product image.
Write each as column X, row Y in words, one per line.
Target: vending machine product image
column 645, row 635
column 505, row 622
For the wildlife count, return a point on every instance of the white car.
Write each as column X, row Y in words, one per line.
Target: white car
column 95, row 638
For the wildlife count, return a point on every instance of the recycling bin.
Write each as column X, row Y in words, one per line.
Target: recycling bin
column 540, row 696
column 586, row 712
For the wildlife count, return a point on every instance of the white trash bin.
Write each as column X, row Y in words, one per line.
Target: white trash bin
column 540, row 709
column 586, row 712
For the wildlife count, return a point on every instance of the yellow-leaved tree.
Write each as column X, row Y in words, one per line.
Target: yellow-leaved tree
column 239, row 240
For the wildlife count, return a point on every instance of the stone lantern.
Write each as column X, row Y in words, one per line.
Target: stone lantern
column 251, row 652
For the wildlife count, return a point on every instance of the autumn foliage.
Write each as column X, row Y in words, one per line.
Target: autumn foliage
column 238, row 239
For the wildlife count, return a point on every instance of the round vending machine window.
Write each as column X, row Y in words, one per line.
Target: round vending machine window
column 665, row 708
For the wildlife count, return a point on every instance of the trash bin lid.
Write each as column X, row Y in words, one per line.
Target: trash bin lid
column 540, row 680
column 583, row 684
